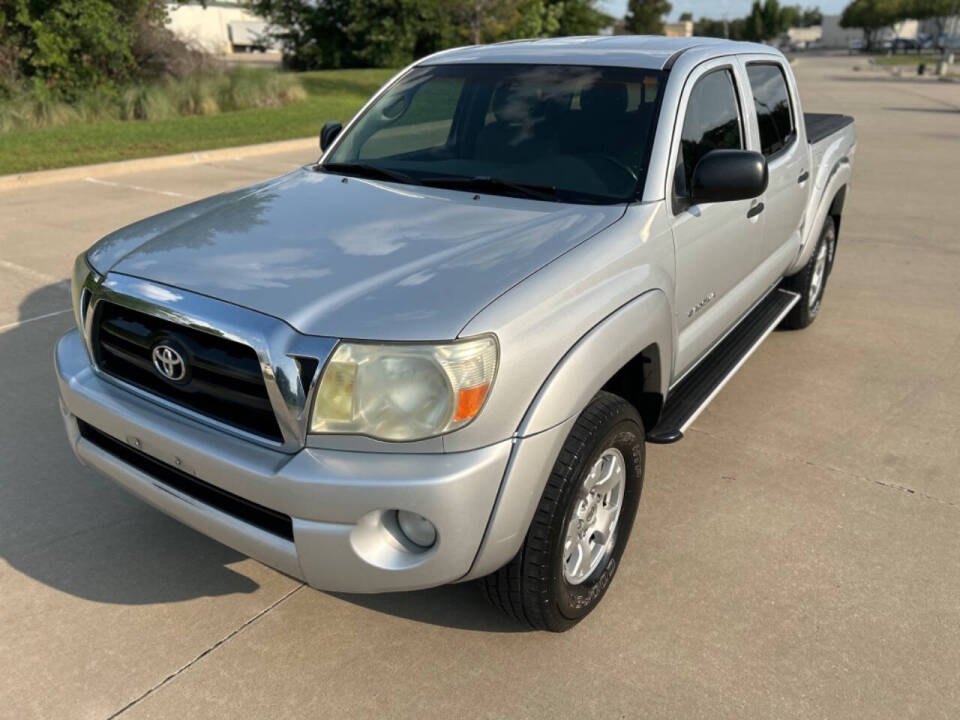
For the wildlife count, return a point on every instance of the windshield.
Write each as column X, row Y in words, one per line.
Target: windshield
column 550, row 132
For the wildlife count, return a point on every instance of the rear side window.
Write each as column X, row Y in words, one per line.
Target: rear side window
column 772, row 101
column 712, row 123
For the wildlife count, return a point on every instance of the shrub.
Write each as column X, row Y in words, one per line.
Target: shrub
column 202, row 93
column 64, row 47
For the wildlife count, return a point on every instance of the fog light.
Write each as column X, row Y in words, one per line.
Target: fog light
column 417, row 528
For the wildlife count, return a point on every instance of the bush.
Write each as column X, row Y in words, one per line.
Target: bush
column 159, row 53
column 202, row 93
column 63, row 47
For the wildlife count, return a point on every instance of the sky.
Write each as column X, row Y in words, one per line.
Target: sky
column 717, row 8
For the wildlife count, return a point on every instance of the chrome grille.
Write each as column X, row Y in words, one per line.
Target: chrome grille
column 225, row 381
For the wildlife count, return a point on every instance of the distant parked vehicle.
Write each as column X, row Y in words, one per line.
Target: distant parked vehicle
column 855, row 46
column 906, row 45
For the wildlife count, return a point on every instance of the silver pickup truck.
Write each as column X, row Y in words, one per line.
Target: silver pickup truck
column 436, row 354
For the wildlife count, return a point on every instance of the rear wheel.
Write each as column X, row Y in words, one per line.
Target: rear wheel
column 573, row 546
column 811, row 281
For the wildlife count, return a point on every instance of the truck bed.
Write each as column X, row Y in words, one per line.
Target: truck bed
column 820, row 125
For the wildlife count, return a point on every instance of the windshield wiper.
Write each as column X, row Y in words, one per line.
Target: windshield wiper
column 481, row 182
column 367, row 170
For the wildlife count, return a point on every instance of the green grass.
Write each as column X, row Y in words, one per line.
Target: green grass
column 331, row 95
column 908, row 59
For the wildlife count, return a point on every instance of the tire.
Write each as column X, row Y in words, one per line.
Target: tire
column 553, row 583
column 811, row 282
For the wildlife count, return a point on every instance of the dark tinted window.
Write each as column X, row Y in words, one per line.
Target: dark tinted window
column 773, row 107
column 415, row 122
column 712, row 122
column 568, row 133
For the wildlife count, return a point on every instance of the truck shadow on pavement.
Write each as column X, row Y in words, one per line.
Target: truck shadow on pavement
column 459, row 606
column 66, row 526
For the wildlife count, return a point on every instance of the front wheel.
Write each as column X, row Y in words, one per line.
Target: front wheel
column 811, row 281
column 579, row 531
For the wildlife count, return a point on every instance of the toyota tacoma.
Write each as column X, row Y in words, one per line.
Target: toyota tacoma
column 437, row 353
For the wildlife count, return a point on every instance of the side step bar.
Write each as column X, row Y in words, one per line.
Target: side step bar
column 688, row 399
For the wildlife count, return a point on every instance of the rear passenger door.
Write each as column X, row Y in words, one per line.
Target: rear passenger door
column 774, row 111
column 715, row 243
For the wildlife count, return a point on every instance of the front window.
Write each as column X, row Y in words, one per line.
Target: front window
column 712, row 123
column 549, row 132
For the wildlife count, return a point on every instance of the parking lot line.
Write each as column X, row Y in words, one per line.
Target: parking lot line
column 170, row 193
column 10, row 326
column 30, row 272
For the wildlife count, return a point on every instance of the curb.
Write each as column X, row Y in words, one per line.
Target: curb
column 49, row 177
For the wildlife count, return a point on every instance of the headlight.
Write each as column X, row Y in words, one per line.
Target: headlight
column 404, row 392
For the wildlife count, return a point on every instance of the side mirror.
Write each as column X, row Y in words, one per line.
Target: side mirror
column 331, row 128
column 724, row 175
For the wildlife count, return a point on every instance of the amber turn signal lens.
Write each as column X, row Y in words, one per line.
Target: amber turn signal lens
column 470, row 401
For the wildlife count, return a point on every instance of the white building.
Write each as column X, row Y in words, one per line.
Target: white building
column 681, row 28
column 803, row 38
column 222, row 27
column 832, row 36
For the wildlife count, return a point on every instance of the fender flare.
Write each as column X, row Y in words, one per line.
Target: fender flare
column 584, row 369
column 597, row 356
column 837, row 183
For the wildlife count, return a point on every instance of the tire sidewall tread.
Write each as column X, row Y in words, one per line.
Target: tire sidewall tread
column 802, row 315
column 538, row 593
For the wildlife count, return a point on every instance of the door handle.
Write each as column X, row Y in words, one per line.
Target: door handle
column 755, row 210
column 804, row 176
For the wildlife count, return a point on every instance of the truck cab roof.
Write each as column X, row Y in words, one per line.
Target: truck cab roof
column 649, row 52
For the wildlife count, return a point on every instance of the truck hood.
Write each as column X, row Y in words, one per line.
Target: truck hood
column 350, row 257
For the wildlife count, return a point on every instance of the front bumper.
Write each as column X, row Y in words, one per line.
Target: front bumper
column 339, row 502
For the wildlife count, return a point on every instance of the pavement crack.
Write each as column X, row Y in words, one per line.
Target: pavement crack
column 831, row 469
column 206, row 652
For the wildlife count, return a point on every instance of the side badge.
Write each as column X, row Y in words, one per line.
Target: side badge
column 700, row 305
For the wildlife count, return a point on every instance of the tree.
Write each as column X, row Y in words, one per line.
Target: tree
column 939, row 10
column 392, row 33
column 798, row 16
column 791, row 16
column 812, row 16
column 645, row 17
column 580, row 17
column 767, row 21
column 873, row 16
column 60, row 48
column 707, row 27
column 733, row 29
column 754, row 29
column 312, row 34
column 686, row 17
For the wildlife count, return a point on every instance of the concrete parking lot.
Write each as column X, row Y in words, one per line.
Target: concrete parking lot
column 796, row 556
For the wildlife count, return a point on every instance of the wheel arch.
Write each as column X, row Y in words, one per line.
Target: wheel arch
column 628, row 353
column 836, row 191
column 638, row 382
column 836, row 207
